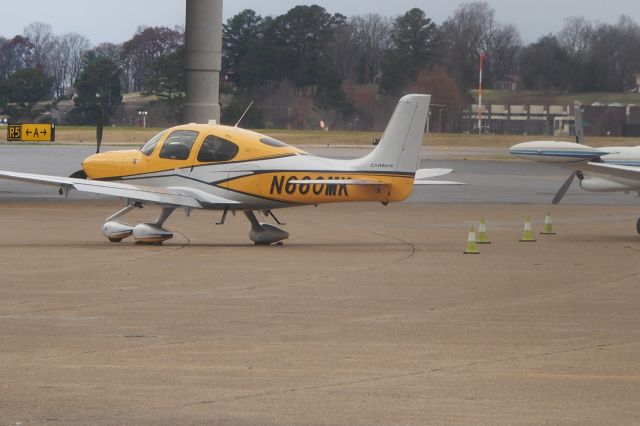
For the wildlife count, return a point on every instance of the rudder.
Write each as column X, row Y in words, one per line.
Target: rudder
column 399, row 148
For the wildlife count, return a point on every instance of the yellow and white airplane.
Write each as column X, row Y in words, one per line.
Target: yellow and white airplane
column 227, row 168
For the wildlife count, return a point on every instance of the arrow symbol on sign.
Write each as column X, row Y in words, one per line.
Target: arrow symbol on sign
column 44, row 132
column 28, row 132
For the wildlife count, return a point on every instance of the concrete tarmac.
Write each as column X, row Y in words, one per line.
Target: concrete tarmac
column 366, row 315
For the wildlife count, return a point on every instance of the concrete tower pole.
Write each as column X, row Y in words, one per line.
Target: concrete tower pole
column 203, row 60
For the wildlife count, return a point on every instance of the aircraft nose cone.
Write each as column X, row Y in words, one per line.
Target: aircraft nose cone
column 103, row 165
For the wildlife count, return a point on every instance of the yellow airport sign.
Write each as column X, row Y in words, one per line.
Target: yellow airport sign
column 14, row 132
column 31, row 132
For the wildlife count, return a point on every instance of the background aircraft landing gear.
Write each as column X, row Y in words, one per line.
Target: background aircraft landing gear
column 638, row 225
column 264, row 233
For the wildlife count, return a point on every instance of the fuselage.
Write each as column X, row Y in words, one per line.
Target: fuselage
column 248, row 167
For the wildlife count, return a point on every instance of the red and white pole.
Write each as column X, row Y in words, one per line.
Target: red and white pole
column 480, row 93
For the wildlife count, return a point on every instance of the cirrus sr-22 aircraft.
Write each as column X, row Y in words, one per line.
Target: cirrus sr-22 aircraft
column 606, row 169
column 227, row 168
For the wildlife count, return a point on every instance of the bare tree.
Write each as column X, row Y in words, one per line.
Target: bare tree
column 15, row 54
column 141, row 52
column 576, row 35
column 65, row 60
column 41, row 37
column 503, row 46
column 373, row 37
column 471, row 29
column 629, row 60
column 340, row 52
column 108, row 50
column 77, row 47
column 58, row 66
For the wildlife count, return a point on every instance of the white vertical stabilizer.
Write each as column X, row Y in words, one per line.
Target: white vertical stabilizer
column 399, row 148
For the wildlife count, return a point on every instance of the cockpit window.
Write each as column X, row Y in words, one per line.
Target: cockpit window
column 147, row 148
column 178, row 145
column 217, row 149
column 273, row 142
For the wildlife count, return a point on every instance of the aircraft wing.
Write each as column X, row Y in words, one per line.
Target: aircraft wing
column 182, row 197
column 613, row 170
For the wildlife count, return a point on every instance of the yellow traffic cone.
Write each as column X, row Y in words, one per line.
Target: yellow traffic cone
column 527, row 234
column 547, row 229
column 472, row 247
column 482, row 233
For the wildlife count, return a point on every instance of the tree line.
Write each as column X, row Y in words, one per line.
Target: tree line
column 308, row 65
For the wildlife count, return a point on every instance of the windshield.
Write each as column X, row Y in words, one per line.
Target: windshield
column 148, row 147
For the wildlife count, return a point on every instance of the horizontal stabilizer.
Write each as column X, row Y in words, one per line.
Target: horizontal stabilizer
column 437, row 182
column 431, row 173
column 423, row 174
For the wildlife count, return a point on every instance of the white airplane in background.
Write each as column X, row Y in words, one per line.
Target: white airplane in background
column 607, row 169
column 227, row 168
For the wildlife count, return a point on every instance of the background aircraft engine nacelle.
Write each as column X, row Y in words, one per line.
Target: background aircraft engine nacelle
column 151, row 233
column 115, row 230
column 602, row 185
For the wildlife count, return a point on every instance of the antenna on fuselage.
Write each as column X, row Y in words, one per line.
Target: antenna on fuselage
column 243, row 114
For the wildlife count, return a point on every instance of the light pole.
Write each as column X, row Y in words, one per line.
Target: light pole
column 143, row 113
column 440, row 108
column 480, row 93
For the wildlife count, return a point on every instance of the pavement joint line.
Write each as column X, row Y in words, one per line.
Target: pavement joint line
column 344, row 274
column 414, row 374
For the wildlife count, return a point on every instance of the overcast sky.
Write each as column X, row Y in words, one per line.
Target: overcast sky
column 117, row 20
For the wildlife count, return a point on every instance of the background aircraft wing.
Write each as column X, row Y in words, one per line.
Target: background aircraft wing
column 181, row 197
column 613, row 170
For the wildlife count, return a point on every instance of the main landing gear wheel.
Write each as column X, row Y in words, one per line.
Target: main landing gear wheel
column 143, row 233
column 638, row 225
column 264, row 233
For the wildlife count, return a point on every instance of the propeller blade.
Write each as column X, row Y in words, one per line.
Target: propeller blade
column 563, row 189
